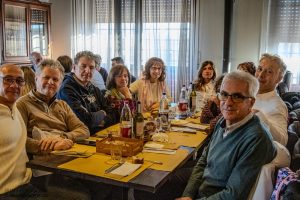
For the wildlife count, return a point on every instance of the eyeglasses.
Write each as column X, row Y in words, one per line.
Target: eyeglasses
column 156, row 68
column 235, row 97
column 8, row 80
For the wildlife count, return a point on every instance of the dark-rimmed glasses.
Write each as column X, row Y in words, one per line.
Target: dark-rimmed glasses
column 235, row 97
column 9, row 80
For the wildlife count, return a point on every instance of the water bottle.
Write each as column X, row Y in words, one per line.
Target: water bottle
column 125, row 121
column 183, row 103
column 163, row 112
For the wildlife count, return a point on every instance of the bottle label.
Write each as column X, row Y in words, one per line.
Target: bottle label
column 125, row 129
column 139, row 130
column 183, row 106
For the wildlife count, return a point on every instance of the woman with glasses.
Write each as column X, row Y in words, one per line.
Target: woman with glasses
column 118, row 88
column 149, row 89
column 204, row 84
column 211, row 112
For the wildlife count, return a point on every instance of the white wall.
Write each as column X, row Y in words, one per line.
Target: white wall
column 61, row 27
column 212, row 32
column 246, row 31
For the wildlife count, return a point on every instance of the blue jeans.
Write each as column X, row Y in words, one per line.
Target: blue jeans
column 26, row 191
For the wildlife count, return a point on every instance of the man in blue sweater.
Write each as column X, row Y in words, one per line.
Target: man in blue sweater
column 85, row 99
column 239, row 147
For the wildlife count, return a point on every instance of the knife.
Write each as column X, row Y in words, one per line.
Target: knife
column 112, row 168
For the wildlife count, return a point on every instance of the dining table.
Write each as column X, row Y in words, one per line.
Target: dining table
column 82, row 161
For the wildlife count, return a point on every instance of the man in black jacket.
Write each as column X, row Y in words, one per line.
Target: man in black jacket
column 84, row 98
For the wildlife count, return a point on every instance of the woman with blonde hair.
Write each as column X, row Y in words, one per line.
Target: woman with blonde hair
column 149, row 89
column 29, row 77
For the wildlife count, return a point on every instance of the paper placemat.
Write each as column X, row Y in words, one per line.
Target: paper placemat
column 169, row 162
column 97, row 164
column 187, row 139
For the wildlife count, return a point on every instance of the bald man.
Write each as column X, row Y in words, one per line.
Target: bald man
column 15, row 177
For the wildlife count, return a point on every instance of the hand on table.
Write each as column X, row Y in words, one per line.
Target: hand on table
column 64, row 144
column 55, row 143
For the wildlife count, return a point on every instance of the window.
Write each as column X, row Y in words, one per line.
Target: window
column 136, row 31
column 284, row 35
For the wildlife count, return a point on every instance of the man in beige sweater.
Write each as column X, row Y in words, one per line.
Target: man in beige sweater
column 14, row 176
column 51, row 123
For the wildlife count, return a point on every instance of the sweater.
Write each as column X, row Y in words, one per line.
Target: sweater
column 56, row 117
column 13, row 157
column 88, row 103
column 229, row 166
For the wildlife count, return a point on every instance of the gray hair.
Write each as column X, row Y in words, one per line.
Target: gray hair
column 275, row 59
column 53, row 64
column 252, row 82
column 88, row 54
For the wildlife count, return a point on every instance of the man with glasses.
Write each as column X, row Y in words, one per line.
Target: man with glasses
column 84, row 98
column 15, row 177
column 239, row 147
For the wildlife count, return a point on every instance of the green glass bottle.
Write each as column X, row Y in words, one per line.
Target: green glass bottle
column 192, row 99
column 138, row 123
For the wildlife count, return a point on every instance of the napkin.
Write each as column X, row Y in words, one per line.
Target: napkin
column 126, row 169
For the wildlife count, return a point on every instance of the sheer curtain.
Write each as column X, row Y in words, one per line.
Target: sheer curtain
column 281, row 27
column 138, row 30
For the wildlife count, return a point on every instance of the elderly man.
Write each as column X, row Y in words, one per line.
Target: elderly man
column 239, row 147
column 272, row 111
column 15, row 177
column 51, row 124
column 84, row 98
column 269, row 73
column 35, row 59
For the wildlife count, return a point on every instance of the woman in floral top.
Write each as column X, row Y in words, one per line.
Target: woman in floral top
column 118, row 88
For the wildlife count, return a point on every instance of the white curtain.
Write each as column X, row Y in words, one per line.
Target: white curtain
column 137, row 30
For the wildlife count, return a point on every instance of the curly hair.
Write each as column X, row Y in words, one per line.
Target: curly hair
column 200, row 81
column 153, row 61
column 248, row 66
column 116, row 71
column 88, row 54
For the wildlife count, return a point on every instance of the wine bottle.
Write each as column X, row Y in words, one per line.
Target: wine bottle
column 138, row 123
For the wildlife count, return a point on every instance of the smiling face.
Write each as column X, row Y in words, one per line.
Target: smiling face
column 10, row 92
column 84, row 70
column 121, row 80
column 234, row 112
column 268, row 75
column 48, row 82
column 155, row 71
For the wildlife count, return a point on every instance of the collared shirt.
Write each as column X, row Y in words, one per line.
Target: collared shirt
column 231, row 128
